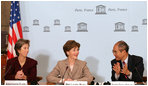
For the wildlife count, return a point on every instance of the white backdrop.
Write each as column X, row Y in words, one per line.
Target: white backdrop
column 96, row 43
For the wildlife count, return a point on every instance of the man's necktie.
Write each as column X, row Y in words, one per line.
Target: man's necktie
column 123, row 66
column 123, row 63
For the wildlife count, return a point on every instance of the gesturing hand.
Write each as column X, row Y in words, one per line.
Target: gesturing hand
column 125, row 70
column 117, row 68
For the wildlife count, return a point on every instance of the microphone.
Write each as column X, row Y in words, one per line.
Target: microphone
column 92, row 83
column 139, row 74
column 97, row 83
column 6, row 73
column 143, row 83
column 107, row 83
column 135, row 68
column 7, row 70
column 35, row 82
column 64, row 74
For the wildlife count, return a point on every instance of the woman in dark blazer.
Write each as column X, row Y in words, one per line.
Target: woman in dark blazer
column 21, row 67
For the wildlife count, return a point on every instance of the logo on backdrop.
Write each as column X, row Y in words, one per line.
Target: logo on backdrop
column 82, row 27
column 46, row 29
column 25, row 29
column 144, row 21
column 67, row 29
column 134, row 28
column 57, row 22
column 119, row 27
column 100, row 9
column 35, row 22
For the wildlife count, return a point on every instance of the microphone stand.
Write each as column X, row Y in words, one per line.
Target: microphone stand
column 139, row 76
column 64, row 74
column 3, row 78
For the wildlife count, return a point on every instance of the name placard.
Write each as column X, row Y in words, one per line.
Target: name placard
column 122, row 83
column 75, row 83
column 15, row 82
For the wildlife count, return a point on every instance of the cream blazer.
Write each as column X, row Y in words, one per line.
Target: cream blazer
column 80, row 72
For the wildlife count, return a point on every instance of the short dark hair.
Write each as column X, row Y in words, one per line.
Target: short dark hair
column 69, row 45
column 19, row 44
column 123, row 46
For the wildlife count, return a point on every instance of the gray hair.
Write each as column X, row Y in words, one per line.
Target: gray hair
column 123, row 46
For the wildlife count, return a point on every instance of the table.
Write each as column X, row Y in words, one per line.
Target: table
column 47, row 83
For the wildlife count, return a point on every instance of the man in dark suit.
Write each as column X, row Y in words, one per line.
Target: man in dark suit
column 126, row 67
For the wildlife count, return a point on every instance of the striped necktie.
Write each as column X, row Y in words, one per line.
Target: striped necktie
column 123, row 63
column 123, row 66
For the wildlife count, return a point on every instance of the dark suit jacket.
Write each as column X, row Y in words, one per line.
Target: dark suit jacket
column 80, row 72
column 135, row 65
column 29, row 69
